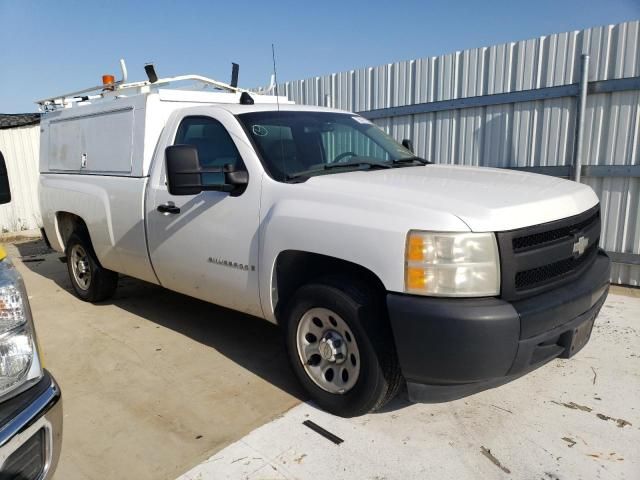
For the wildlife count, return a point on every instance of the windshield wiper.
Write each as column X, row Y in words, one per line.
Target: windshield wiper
column 400, row 161
column 334, row 166
column 357, row 163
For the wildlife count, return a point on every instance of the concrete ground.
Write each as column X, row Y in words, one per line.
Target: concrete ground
column 153, row 382
column 572, row 419
column 156, row 384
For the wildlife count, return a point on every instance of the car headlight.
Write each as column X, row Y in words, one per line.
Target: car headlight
column 19, row 361
column 452, row 264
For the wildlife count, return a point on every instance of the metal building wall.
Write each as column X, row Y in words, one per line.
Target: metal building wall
column 20, row 147
column 519, row 134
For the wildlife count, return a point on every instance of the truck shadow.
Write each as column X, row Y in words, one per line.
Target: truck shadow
column 250, row 342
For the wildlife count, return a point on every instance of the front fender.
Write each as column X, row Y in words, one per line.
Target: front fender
column 373, row 238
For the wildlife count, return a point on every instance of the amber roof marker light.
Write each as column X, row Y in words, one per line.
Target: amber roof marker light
column 108, row 81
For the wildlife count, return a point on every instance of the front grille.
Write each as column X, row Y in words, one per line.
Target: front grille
column 543, row 274
column 539, row 258
column 528, row 241
column 28, row 461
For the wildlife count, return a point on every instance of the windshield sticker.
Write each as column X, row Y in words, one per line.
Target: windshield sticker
column 260, row 131
column 364, row 121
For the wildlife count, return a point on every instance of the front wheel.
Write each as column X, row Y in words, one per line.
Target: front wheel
column 341, row 347
column 90, row 281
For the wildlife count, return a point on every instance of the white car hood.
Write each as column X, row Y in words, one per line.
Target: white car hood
column 486, row 199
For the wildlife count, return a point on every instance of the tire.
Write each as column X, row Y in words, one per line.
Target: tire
column 91, row 282
column 358, row 315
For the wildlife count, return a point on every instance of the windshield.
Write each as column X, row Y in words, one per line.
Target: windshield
column 295, row 144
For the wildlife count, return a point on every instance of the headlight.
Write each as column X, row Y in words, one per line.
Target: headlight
column 19, row 362
column 452, row 264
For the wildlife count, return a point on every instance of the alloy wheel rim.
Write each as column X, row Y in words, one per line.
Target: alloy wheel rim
column 328, row 350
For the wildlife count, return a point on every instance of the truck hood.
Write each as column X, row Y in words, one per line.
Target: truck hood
column 486, row 199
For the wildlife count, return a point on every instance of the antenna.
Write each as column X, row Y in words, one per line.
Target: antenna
column 275, row 74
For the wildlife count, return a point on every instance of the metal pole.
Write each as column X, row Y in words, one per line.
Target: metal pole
column 582, row 105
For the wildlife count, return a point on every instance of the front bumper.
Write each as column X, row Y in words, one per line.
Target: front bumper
column 450, row 348
column 31, row 432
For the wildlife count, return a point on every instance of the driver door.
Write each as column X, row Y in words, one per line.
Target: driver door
column 206, row 245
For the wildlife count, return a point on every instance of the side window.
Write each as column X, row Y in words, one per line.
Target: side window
column 214, row 144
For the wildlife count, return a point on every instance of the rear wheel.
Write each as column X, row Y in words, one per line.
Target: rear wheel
column 91, row 282
column 341, row 348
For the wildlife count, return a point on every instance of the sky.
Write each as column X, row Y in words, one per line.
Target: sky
column 52, row 47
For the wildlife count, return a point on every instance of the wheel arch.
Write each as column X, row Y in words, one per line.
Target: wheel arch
column 68, row 223
column 294, row 268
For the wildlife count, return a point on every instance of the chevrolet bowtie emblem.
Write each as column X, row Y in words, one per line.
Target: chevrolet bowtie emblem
column 580, row 246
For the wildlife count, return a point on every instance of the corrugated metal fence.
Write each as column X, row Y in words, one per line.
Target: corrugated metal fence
column 20, row 147
column 514, row 106
column 510, row 105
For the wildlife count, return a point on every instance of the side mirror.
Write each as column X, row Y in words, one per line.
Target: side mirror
column 5, row 190
column 185, row 175
column 235, row 178
column 183, row 170
column 408, row 144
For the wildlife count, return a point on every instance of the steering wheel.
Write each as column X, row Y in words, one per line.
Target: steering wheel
column 344, row 155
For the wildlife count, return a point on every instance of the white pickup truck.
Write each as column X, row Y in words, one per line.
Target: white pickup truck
column 381, row 268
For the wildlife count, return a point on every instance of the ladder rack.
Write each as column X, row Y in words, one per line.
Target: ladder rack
column 120, row 87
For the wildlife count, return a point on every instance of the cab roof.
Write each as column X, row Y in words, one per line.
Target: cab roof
column 237, row 109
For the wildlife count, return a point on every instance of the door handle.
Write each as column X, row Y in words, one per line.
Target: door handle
column 168, row 208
